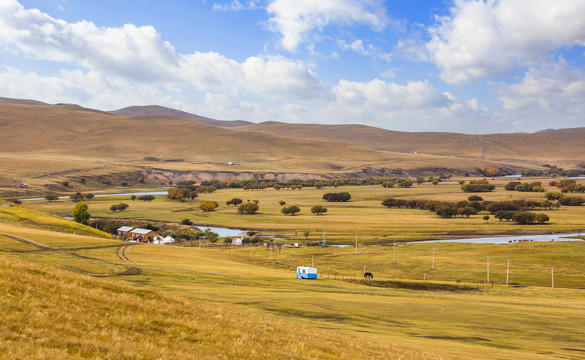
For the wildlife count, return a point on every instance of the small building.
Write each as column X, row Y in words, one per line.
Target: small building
column 123, row 232
column 23, row 186
column 306, row 272
column 142, row 235
column 237, row 241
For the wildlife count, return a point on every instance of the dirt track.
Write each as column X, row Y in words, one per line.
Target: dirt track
column 121, row 252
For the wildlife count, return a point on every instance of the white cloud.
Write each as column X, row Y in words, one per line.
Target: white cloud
column 552, row 88
column 483, row 38
column 90, row 88
column 130, row 51
column 389, row 96
column 295, row 19
column 236, row 6
column 140, row 54
column 281, row 78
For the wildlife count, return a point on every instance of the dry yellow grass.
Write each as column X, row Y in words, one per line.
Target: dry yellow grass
column 47, row 313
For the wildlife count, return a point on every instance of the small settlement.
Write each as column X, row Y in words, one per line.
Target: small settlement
column 132, row 234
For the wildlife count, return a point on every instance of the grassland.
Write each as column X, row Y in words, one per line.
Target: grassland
column 363, row 215
column 196, row 302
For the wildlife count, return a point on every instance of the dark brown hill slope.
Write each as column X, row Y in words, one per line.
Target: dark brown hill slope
column 559, row 145
column 164, row 111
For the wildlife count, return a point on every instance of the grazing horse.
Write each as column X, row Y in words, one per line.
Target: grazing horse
column 368, row 275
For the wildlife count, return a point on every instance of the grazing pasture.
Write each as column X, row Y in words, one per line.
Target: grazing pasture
column 363, row 214
column 244, row 292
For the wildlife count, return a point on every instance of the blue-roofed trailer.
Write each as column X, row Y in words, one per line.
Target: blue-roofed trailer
column 306, row 272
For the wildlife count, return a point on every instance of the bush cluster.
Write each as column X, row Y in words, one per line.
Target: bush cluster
column 337, row 197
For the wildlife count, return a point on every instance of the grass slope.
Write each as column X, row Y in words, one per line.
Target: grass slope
column 49, row 313
column 210, row 303
column 63, row 132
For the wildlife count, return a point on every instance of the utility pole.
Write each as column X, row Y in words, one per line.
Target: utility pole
column 552, row 270
column 488, row 269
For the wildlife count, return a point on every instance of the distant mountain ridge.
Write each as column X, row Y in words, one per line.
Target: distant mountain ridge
column 164, row 111
column 170, row 134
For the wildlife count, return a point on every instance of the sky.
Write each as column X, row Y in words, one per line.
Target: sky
column 467, row 66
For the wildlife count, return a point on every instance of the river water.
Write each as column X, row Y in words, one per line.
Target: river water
column 507, row 239
column 155, row 193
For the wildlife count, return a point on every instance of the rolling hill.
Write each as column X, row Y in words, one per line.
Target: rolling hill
column 164, row 111
column 41, row 141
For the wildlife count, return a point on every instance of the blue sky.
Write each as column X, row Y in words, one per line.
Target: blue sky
column 473, row 66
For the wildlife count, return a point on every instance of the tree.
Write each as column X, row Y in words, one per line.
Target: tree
column 478, row 187
column 405, row 184
column 512, row 185
column 446, row 212
column 81, row 213
column 282, row 202
column 119, row 207
column 466, row 211
column 133, row 197
column 248, row 208
column 234, row 202
column 552, row 196
column 210, row 235
column 318, row 209
column 52, row 198
column 524, row 217
column 475, row 198
column 185, row 222
column 541, row 218
column 388, row 184
column 337, row 197
column 290, row 210
column 208, row 206
column 486, row 218
column 146, row 197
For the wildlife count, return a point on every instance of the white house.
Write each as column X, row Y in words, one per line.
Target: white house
column 237, row 241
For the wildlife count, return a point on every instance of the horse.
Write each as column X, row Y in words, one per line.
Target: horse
column 368, row 275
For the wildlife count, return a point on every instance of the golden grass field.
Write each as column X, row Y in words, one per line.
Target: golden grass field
column 193, row 302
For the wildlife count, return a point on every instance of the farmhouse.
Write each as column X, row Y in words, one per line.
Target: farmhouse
column 123, row 232
column 142, row 235
column 237, row 241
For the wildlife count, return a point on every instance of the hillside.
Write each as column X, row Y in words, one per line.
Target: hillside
column 164, row 111
column 42, row 140
column 45, row 315
column 48, row 143
column 531, row 147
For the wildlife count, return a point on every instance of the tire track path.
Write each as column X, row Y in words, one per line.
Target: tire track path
column 121, row 252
